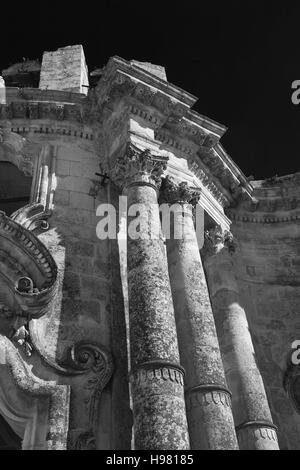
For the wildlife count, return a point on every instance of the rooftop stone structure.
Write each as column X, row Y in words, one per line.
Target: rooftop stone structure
column 139, row 343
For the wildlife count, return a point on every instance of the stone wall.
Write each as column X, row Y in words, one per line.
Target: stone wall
column 267, row 267
column 89, row 303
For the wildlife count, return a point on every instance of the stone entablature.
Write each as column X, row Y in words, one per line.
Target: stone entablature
column 166, row 109
column 274, row 200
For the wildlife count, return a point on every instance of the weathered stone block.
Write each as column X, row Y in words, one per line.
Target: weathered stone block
column 61, row 197
column 81, row 201
column 64, row 69
column 63, row 167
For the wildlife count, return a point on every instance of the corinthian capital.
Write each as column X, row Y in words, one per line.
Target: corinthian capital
column 171, row 192
column 138, row 166
column 217, row 240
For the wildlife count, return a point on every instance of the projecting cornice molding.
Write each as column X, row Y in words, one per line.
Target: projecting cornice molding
column 41, row 110
column 166, row 108
column 274, row 200
column 47, row 112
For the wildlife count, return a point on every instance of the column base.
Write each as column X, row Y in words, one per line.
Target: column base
column 210, row 418
column 158, row 406
column 257, row 435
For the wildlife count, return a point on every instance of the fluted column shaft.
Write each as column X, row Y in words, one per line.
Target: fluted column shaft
column 255, row 429
column 208, row 399
column 156, row 375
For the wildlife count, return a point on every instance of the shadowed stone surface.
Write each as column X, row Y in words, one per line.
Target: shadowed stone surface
column 208, row 401
column 255, row 428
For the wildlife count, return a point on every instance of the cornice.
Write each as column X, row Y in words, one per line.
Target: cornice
column 274, row 200
column 37, row 94
column 32, row 110
column 263, row 218
column 117, row 66
column 177, row 126
column 55, row 128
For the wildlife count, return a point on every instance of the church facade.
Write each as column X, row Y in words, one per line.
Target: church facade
column 119, row 342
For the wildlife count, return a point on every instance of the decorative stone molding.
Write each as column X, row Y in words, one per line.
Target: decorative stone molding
column 215, row 239
column 54, row 129
column 94, row 361
column 39, row 266
column 171, row 192
column 167, row 109
column 293, row 180
column 32, row 217
column 254, row 431
column 274, row 200
column 22, row 338
column 31, row 385
column 158, row 371
column 205, row 395
column 41, row 110
column 207, row 180
column 137, row 165
column 121, row 78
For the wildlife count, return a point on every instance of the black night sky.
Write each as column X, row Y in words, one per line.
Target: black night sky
column 239, row 58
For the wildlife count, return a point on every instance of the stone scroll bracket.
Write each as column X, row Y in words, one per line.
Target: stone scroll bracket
column 91, row 366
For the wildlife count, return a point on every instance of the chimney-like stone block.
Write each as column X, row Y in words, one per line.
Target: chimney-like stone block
column 65, row 69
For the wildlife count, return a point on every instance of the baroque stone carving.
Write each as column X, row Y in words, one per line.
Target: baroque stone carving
column 171, row 192
column 32, row 217
column 215, row 239
column 42, row 110
column 138, row 165
column 27, row 281
column 204, row 397
column 95, row 362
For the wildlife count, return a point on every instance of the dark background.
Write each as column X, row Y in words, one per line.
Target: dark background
column 239, row 58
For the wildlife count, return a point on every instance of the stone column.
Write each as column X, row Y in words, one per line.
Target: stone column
column 208, row 399
column 156, row 375
column 255, row 429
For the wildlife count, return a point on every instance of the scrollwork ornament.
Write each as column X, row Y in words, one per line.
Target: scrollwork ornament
column 94, row 362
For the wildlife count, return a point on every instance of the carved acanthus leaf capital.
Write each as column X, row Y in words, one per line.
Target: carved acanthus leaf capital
column 216, row 240
column 172, row 192
column 138, row 166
